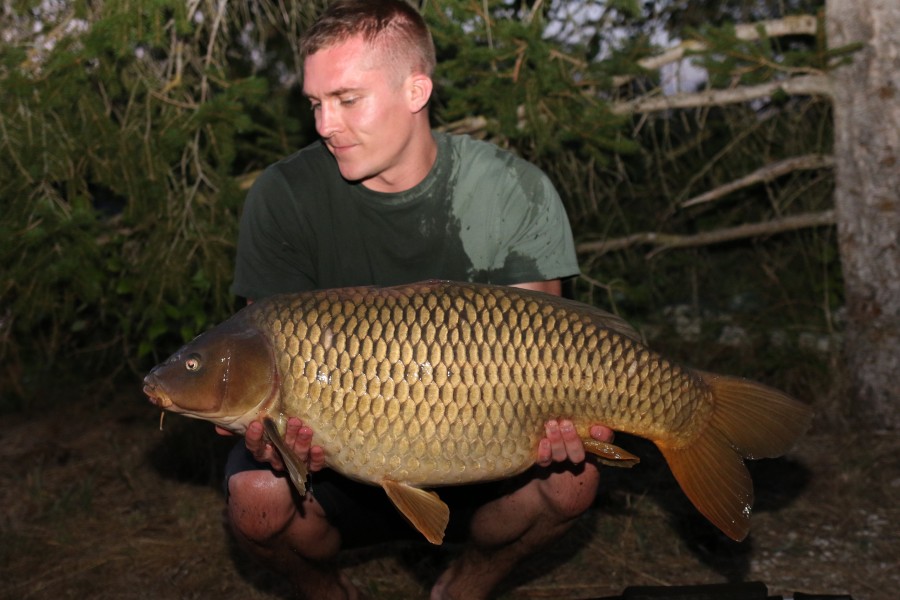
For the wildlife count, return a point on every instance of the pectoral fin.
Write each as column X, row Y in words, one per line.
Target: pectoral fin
column 610, row 454
column 422, row 508
column 296, row 468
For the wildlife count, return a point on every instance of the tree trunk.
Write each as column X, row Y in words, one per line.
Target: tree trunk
column 867, row 201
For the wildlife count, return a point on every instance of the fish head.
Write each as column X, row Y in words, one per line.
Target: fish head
column 226, row 375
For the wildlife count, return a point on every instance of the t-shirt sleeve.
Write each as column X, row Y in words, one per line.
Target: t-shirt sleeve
column 513, row 224
column 533, row 222
column 272, row 253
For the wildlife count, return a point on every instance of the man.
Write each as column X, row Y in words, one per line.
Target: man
column 382, row 200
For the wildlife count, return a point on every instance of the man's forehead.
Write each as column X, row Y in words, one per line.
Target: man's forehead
column 339, row 68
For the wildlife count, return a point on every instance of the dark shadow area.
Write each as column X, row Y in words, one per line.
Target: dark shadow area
column 777, row 483
column 256, row 574
column 418, row 559
column 559, row 553
column 100, row 503
column 190, row 451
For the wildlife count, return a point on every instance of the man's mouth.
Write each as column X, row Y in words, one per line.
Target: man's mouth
column 340, row 148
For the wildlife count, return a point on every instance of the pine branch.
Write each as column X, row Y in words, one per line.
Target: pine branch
column 665, row 241
column 763, row 174
column 809, row 85
column 748, row 32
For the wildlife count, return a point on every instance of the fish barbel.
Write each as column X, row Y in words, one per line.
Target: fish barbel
column 441, row 383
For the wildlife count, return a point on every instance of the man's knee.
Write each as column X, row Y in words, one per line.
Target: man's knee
column 569, row 495
column 264, row 513
column 260, row 505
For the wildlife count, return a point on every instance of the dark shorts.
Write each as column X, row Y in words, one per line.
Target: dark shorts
column 364, row 514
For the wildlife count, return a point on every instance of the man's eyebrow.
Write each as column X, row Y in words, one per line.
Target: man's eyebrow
column 337, row 92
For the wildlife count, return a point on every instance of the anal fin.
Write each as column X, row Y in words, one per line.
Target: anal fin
column 424, row 509
column 296, row 468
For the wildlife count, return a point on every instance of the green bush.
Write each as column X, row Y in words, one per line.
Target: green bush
column 128, row 130
column 118, row 160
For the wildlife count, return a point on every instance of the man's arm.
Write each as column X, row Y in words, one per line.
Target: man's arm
column 553, row 286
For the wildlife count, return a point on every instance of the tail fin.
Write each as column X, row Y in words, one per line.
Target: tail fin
column 749, row 420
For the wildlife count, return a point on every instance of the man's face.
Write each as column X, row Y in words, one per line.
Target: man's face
column 363, row 113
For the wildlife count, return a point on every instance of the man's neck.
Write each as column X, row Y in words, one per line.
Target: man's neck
column 420, row 156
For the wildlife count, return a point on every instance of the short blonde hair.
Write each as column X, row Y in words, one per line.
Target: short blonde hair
column 393, row 28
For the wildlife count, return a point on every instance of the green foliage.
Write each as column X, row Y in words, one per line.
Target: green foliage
column 680, row 15
column 127, row 128
column 731, row 60
column 119, row 148
column 531, row 89
column 550, row 100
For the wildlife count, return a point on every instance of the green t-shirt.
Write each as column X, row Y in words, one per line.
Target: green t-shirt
column 481, row 214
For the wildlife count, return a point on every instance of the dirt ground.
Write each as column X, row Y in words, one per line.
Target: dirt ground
column 98, row 503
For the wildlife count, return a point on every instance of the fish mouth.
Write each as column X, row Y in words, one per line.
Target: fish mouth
column 156, row 396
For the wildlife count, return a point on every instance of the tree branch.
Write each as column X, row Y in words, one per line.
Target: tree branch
column 808, row 85
column 793, row 25
column 663, row 241
column 766, row 173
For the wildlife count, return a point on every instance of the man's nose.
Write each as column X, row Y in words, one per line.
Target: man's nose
column 327, row 120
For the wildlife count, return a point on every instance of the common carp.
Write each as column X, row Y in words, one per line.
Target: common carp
column 441, row 383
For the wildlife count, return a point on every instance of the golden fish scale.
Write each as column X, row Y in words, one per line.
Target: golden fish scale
column 441, row 388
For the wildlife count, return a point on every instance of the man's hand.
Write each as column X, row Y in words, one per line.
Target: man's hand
column 562, row 442
column 297, row 436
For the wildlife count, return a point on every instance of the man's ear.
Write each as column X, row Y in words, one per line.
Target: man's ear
column 418, row 90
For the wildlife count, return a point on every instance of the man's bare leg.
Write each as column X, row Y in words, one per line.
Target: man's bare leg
column 294, row 540
column 508, row 529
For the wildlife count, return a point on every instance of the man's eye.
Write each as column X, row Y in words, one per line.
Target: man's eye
column 349, row 101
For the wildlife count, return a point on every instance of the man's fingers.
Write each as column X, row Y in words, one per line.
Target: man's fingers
column 545, row 456
column 602, row 433
column 223, row 431
column 292, row 434
column 316, row 458
column 574, row 449
column 303, row 443
column 557, row 444
column 254, row 438
column 303, row 446
column 562, row 442
column 257, row 444
column 297, row 437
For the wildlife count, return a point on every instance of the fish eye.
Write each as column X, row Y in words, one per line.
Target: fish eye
column 193, row 362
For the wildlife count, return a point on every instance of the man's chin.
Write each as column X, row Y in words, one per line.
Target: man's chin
column 353, row 175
